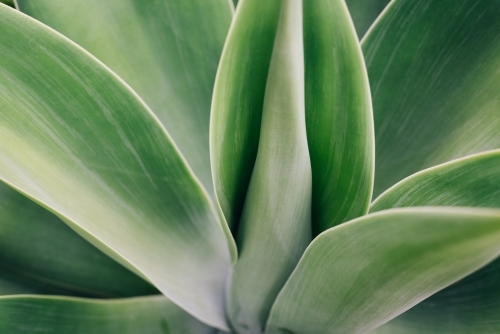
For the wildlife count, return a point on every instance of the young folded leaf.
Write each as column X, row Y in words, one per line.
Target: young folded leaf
column 80, row 142
column 41, row 254
column 433, row 72
column 275, row 225
column 59, row 315
column 237, row 103
column 338, row 114
column 135, row 38
column 356, row 276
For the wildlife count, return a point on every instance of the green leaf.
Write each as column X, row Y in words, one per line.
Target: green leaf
column 364, row 13
column 167, row 50
column 473, row 303
column 337, row 101
column 470, row 181
column 152, row 315
column 434, row 84
column 275, row 226
column 469, row 306
column 237, row 103
column 41, row 254
column 338, row 115
column 77, row 140
column 356, row 276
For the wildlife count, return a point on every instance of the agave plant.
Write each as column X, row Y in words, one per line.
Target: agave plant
column 235, row 194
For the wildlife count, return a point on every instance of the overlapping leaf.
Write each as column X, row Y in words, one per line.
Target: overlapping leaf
column 357, row 276
column 275, row 226
column 168, row 51
column 364, row 13
column 433, row 73
column 471, row 305
column 41, row 254
column 273, row 70
column 152, row 315
column 338, row 110
column 76, row 139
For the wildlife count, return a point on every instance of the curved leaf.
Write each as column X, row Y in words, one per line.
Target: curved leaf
column 152, row 315
column 338, row 115
column 40, row 254
column 237, row 108
column 167, row 50
column 364, row 13
column 471, row 305
column 275, row 226
column 470, row 181
column 77, row 140
column 356, row 276
column 337, row 101
column 468, row 306
column 434, row 84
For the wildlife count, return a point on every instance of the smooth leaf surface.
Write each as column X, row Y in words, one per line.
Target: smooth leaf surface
column 365, row 12
column 237, row 103
column 433, row 73
column 167, row 50
column 152, row 315
column 41, row 254
column 470, row 181
column 338, row 114
column 275, row 226
column 356, row 276
column 471, row 305
column 76, row 139
column 338, row 110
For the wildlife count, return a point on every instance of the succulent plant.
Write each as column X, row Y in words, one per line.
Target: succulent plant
column 175, row 166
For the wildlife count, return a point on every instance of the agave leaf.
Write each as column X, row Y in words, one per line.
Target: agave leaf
column 434, row 84
column 237, row 103
column 152, row 315
column 275, row 226
column 468, row 306
column 364, row 13
column 168, row 51
column 40, row 254
column 356, row 276
column 471, row 305
column 337, row 106
column 81, row 143
column 338, row 115
column 470, row 181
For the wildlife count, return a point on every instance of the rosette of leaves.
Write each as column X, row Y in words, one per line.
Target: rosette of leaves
column 175, row 166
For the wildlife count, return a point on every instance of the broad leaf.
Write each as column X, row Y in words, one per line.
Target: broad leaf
column 41, row 254
column 78, row 141
column 364, row 13
column 152, row 315
column 275, row 226
column 356, row 276
column 432, row 69
column 167, row 50
column 471, row 305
